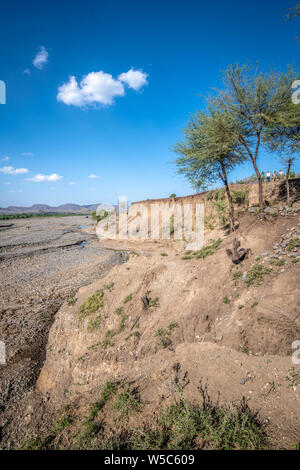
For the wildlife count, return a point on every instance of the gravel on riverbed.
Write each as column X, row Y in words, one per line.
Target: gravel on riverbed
column 42, row 263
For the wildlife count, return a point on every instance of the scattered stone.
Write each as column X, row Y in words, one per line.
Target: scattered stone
column 242, row 381
column 270, row 211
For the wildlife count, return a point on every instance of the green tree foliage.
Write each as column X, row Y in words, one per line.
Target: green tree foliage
column 253, row 99
column 283, row 136
column 210, row 150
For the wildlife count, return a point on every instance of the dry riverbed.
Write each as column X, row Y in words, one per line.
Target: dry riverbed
column 43, row 262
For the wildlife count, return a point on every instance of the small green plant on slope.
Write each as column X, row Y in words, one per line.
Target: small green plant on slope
column 153, row 302
column 240, row 196
column 219, row 194
column 208, row 249
column 278, row 262
column 109, row 286
column 93, row 324
column 221, row 206
column 71, row 301
column 92, row 304
column 256, row 273
column 210, row 220
column 293, row 243
column 127, row 299
column 185, row 425
column 127, row 402
column 236, row 275
column 108, row 390
column 65, row 420
column 111, row 333
column 293, row 377
column 163, row 335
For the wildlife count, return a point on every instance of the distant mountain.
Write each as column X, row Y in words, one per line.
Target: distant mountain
column 44, row 208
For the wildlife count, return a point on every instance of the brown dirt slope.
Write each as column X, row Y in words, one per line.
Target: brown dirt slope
column 230, row 326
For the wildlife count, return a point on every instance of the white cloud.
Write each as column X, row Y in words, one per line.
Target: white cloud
column 10, row 170
column 41, row 58
column 135, row 79
column 93, row 176
column 26, row 72
column 92, row 189
column 7, row 183
column 27, row 154
column 40, row 178
column 71, row 183
column 52, row 189
column 99, row 88
column 5, row 159
column 96, row 87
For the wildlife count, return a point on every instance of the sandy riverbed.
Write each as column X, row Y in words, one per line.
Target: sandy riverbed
column 43, row 261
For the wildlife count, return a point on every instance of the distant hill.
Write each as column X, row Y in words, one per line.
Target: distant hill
column 44, row 208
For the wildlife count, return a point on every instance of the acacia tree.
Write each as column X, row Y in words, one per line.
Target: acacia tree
column 253, row 99
column 294, row 12
column 283, row 136
column 210, row 150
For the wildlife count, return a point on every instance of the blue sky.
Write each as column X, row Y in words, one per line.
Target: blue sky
column 177, row 46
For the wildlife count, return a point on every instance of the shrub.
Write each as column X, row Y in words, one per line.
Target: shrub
column 210, row 221
column 236, row 275
column 256, row 274
column 240, row 196
column 109, row 388
column 221, row 206
column 127, row 299
column 172, row 195
column 127, row 402
column 219, row 194
column 185, row 425
column 208, row 249
column 163, row 335
column 93, row 324
column 93, row 303
column 293, row 243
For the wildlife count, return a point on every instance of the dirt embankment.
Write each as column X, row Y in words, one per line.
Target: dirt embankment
column 166, row 311
column 43, row 262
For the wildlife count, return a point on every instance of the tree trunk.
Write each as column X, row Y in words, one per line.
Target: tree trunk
column 253, row 158
column 260, row 187
column 288, row 197
column 229, row 197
